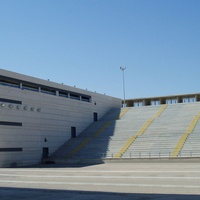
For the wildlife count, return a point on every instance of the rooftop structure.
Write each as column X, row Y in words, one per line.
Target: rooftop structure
column 159, row 100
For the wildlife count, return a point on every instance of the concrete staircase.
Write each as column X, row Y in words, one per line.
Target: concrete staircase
column 75, row 147
column 143, row 132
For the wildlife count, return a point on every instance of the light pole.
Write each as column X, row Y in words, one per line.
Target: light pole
column 122, row 69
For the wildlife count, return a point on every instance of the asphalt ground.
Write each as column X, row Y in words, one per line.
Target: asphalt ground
column 121, row 181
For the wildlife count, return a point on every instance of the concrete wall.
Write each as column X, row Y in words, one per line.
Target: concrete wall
column 46, row 120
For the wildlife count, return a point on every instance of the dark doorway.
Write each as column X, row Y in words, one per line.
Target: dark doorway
column 95, row 115
column 45, row 153
column 73, row 132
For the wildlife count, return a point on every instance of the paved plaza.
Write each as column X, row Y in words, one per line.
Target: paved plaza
column 133, row 180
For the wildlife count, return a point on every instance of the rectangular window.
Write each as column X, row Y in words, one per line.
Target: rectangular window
column 95, row 116
column 155, row 102
column 30, row 87
column 192, row 99
column 10, row 84
column 174, row 101
column 168, row 101
column 10, row 123
column 62, row 94
column 10, row 149
column 141, row 103
column 48, row 91
column 74, row 96
column 45, row 152
column 189, row 99
column 171, row 101
column 10, row 101
column 86, row 99
column 73, row 132
column 138, row 104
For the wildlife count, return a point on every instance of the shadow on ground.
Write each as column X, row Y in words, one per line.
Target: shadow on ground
column 46, row 194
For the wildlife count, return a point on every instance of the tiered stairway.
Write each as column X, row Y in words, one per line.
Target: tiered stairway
column 139, row 132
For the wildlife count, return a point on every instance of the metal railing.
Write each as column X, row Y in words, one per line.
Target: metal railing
column 189, row 154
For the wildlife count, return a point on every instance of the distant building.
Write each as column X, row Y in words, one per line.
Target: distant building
column 152, row 101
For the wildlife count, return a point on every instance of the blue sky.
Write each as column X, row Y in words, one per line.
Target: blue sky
column 84, row 43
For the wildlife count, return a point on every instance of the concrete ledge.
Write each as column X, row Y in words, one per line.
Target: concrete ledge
column 123, row 160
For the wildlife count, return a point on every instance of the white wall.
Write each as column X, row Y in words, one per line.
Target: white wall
column 53, row 122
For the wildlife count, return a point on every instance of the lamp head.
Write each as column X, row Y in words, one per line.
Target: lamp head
column 122, row 68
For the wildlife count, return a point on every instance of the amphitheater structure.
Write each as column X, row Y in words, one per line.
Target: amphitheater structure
column 43, row 121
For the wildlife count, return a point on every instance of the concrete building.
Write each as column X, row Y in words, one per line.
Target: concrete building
column 153, row 101
column 38, row 116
